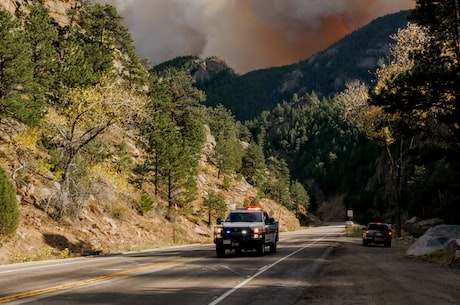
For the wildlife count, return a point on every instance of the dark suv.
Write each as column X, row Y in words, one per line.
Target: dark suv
column 377, row 233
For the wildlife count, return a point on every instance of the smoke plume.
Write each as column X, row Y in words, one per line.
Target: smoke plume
column 248, row 34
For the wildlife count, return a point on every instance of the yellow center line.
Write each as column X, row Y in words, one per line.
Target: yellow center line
column 89, row 281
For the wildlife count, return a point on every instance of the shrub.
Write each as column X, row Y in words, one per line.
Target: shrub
column 9, row 209
column 146, row 203
column 215, row 202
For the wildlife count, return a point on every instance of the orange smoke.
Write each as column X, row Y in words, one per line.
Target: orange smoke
column 248, row 34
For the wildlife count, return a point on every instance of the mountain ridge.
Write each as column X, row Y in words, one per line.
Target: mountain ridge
column 356, row 56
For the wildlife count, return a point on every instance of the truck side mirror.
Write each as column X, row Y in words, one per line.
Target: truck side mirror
column 219, row 221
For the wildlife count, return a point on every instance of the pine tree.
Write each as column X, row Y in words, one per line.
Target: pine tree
column 87, row 45
column 228, row 151
column 253, row 165
column 16, row 73
column 279, row 181
column 173, row 162
column 9, row 210
column 42, row 36
column 173, row 136
column 75, row 68
column 215, row 202
column 299, row 196
column 105, row 25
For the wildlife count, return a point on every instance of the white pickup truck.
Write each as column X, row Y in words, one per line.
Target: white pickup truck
column 246, row 229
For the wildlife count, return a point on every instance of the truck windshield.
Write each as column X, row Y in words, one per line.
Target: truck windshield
column 244, row 217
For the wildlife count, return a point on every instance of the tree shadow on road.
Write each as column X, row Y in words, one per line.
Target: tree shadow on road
column 62, row 243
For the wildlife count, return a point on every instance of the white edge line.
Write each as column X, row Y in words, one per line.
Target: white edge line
column 225, row 295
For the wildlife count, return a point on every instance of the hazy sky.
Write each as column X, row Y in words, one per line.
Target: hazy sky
column 248, row 34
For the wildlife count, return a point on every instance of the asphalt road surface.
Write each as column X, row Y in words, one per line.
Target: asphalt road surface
column 357, row 275
column 181, row 275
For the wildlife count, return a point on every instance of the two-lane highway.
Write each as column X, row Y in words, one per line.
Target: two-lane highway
column 180, row 275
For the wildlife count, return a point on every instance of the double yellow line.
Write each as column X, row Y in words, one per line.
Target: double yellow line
column 28, row 294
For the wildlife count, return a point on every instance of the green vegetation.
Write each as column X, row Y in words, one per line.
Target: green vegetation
column 228, row 151
column 216, row 205
column 9, row 210
column 412, row 113
column 60, row 80
column 389, row 146
column 16, row 73
column 325, row 73
column 146, row 203
column 433, row 119
column 173, row 136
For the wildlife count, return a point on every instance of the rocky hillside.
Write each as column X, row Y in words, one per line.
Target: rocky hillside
column 108, row 221
column 57, row 8
column 108, row 218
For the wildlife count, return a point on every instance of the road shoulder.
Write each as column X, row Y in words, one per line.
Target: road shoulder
column 354, row 274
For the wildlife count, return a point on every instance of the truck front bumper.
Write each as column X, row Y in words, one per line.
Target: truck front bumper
column 244, row 244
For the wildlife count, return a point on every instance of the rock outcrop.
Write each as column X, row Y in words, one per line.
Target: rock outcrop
column 58, row 8
column 438, row 238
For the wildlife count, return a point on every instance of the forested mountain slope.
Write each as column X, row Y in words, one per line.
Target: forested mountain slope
column 98, row 156
column 356, row 56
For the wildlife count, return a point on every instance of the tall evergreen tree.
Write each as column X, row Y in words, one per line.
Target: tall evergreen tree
column 173, row 136
column 75, row 68
column 228, row 151
column 278, row 183
column 253, row 165
column 16, row 73
column 299, row 197
column 9, row 210
column 105, row 27
column 42, row 36
column 175, row 164
column 87, row 45
column 215, row 202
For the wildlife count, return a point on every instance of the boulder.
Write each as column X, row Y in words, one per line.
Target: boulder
column 417, row 227
column 435, row 239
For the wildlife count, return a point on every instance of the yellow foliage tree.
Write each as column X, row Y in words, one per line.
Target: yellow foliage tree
column 84, row 114
column 387, row 128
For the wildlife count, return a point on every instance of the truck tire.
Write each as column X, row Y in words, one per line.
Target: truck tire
column 261, row 249
column 220, row 251
column 273, row 247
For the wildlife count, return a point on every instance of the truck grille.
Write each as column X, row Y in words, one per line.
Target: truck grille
column 236, row 232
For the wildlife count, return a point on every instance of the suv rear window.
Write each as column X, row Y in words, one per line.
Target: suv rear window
column 378, row 227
